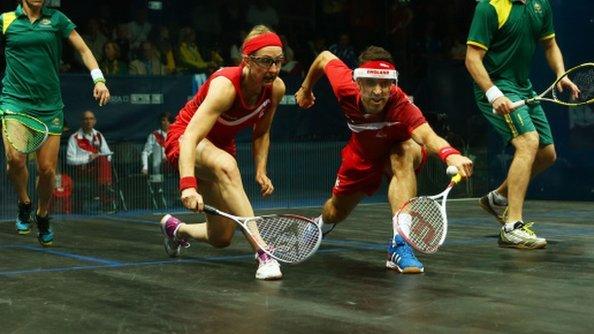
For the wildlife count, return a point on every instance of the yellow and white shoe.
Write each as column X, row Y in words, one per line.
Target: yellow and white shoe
column 521, row 236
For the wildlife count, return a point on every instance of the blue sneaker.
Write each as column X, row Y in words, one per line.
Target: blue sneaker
column 45, row 235
column 23, row 220
column 402, row 258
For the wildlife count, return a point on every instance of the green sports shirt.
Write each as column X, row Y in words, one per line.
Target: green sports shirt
column 509, row 30
column 33, row 51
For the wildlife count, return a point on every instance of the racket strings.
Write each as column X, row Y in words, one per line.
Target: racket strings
column 290, row 239
column 583, row 78
column 24, row 134
column 427, row 223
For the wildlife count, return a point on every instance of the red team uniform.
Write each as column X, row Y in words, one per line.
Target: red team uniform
column 223, row 133
column 365, row 157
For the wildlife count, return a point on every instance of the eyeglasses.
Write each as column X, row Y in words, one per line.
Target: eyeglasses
column 267, row 62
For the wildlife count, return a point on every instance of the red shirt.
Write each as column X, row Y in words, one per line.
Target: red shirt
column 230, row 122
column 373, row 135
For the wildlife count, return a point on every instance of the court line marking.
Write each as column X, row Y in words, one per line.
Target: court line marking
column 470, row 199
column 74, row 256
column 205, row 260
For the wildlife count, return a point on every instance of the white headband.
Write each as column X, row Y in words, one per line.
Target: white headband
column 375, row 73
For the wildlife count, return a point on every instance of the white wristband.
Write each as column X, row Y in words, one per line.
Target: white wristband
column 97, row 75
column 493, row 94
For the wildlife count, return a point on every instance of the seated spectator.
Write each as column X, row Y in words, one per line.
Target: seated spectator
column 235, row 54
column 112, row 64
column 344, row 50
column 261, row 12
column 90, row 157
column 139, row 28
column 148, row 62
column 191, row 61
column 154, row 147
column 163, row 44
column 290, row 65
column 94, row 38
column 122, row 39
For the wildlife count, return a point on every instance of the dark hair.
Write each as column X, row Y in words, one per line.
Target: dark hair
column 375, row 53
column 167, row 115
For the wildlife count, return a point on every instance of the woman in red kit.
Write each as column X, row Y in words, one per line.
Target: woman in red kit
column 201, row 142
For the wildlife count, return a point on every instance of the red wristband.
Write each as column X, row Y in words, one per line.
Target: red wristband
column 445, row 152
column 187, row 182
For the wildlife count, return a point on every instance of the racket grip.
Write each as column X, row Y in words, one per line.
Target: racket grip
column 456, row 179
column 518, row 104
column 210, row 210
column 515, row 105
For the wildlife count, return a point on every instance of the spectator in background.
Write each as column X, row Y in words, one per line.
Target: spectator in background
column 206, row 21
column 112, row 64
column 235, row 54
column 261, row 12
column 344, row 50
column 316, row 46
column 189, row 55
column 94, row 38
column 163, row 44
column 148, row 62
column 290, row 65
column 154, row 146
column 90, row 156
column 139, row 28
column 123, row 41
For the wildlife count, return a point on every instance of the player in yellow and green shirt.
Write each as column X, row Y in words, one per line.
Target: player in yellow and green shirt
column 503, row 37
column 32, row 36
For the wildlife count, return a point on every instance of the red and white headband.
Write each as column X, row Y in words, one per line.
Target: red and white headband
column 376, row 69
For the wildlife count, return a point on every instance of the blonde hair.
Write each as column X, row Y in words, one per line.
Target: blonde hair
column 256, row 30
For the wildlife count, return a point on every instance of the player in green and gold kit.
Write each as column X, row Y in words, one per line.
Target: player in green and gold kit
column 32, row 36
column 503, row 37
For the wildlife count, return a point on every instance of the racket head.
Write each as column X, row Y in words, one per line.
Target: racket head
column 286, row 237
column 422, row 223
column 24, row 133
column 583, row 77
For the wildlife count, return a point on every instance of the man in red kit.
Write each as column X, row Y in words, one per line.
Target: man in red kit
column 201, row 142
column 389, row 136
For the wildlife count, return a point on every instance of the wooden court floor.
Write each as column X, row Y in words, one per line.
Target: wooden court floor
column 109, row 274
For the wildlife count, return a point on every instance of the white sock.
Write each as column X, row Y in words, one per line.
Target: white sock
column 404, row 220
column 325, row 227
column 498, row 198
column 509, row 226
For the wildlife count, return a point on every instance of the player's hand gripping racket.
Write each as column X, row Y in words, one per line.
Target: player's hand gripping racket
column 582, row 76
column 24, row 133
column 423, row 222
column 285, row 237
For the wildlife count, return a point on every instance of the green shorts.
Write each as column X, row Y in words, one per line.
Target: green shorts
column 520, row 121
column 54, row 119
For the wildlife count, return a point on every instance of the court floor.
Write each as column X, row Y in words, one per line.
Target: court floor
column 110, row 274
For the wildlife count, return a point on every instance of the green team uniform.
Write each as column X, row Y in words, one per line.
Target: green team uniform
column 33, row 51
column 510, row 30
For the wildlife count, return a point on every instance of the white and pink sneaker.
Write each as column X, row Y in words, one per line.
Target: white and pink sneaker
column 169, row 227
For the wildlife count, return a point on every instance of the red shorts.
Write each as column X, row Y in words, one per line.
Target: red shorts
column 357, row 174
column 172, row 146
